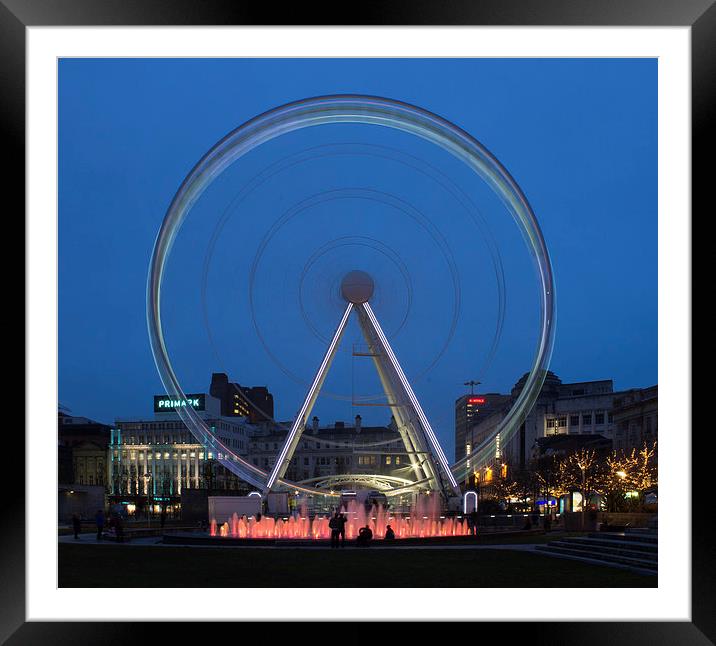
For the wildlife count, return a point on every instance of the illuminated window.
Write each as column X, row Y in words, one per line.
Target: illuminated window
column 387, row 459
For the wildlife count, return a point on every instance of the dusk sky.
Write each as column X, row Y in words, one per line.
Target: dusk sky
column 579, row 137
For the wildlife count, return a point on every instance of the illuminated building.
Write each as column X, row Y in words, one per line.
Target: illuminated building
column 329, row 451
column 156, row 459
column 469, row 410
column 255, row 402
column 579, row 408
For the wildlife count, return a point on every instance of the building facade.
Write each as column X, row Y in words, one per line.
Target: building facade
column 82, row 450
column 254, row 403
column 469, row 411
column 579, row 408
column 151, row 461
column 636, row 417
column 335, row 450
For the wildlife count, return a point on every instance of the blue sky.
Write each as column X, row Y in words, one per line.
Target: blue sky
column 579, row 136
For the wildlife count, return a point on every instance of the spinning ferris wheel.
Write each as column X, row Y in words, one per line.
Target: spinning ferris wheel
column 356, row 289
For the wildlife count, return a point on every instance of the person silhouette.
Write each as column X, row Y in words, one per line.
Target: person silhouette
column 334, row 525
column 365, row 535
column 389, row 533
column 342, row 520
column 76, row 525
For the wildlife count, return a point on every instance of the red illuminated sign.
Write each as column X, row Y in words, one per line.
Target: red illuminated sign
column 476, row 400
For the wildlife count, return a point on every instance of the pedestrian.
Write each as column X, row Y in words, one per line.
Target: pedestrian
column 389, row 533
column 76, row 525
column 99, row 521
column 473, row 520
column 365, row 534
column 334, row 526
column 342, row 520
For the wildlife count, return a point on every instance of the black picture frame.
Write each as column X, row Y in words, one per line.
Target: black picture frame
column 700, row 15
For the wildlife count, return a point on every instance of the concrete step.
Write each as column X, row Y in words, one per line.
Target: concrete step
column 626, row 536
column 640, row 563
column 650, row 569
column 607, row 550
column 614, row 542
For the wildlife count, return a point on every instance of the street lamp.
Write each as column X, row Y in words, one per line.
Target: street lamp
column 148, row 481
column 472, row 383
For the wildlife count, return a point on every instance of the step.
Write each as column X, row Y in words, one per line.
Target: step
column 645, row 531
column 599, row 556
column 613, row 542
column 624, row 536
column 643, row 569
column 611, row 551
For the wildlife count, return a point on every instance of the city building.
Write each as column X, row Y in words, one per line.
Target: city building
column 325, row 452
column 636, row 418
column 255, row 402
column 151, row 461
column 579, row 408
column 82, row 450
column 469, row 410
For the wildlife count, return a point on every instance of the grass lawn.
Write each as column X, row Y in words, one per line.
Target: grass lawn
column 166, row 567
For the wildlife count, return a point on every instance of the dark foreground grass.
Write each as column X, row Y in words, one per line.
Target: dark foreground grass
column 166, row 567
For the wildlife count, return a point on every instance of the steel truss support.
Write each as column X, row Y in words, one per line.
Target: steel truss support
column 426, row 455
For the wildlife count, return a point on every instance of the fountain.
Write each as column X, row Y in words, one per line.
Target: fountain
column 424, row 521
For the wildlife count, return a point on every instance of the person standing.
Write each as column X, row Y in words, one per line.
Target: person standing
column 334, row 526
column 389, row 533
column 76, row 525
column 342, row 520
column 99, row 521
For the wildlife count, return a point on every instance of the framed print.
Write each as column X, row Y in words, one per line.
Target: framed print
column 375, row 313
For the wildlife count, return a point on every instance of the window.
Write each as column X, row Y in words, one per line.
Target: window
column 587, row 420
column 610, row 418
column 574, row 420
column 387, row 459
column 599, row 418
column 562, row 422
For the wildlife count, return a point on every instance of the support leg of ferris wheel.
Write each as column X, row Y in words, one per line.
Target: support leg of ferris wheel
column 299, row 424
column 413, row 426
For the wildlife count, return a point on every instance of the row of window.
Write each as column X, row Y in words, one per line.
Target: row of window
column 177, row 425
column 561, row 422
column 308, row 446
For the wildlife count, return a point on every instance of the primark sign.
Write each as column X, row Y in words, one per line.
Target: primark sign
column 167, row 404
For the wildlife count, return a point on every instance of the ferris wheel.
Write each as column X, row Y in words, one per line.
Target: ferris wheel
column 357, row 288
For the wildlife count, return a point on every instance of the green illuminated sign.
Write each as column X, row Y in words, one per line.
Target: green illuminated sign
column 166, row 404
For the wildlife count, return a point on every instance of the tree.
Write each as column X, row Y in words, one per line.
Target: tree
column 583, row 472
column 615, row 481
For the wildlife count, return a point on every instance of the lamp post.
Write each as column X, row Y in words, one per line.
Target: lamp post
column 148, row 481
column 472, row 383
